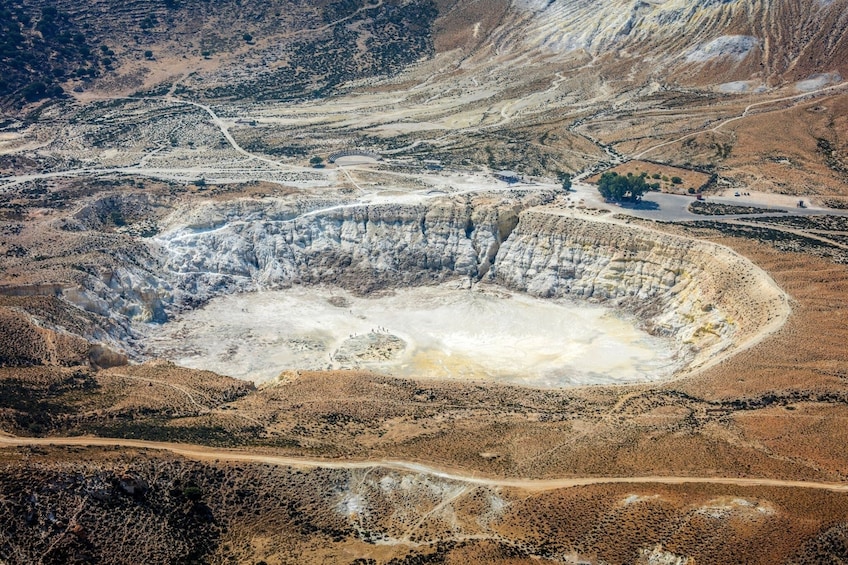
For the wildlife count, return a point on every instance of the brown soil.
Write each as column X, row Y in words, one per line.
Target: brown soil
column 773, row 412
column 787, row 148
column 690, row 179
column 159, row 508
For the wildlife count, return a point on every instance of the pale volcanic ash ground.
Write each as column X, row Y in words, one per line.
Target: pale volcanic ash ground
column 435, row 332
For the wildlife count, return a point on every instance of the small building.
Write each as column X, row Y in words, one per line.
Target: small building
column 508, row 176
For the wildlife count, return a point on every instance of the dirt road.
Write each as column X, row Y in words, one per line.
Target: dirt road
column 201, row 453
column 803, row 97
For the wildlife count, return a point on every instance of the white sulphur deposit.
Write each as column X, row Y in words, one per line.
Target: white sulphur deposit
column 422, row 332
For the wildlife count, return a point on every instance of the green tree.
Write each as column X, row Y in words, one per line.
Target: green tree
column 35, row 91
column 317, row 161
column 565, row 179
column 192, row 492
column 616, row 188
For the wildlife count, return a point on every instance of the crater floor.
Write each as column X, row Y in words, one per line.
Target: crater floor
column 434, row 332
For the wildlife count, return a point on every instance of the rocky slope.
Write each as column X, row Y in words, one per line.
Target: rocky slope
column 269, row 50
column 700, row 41
column 359, row 247
column 700, row 293
column 288, row 50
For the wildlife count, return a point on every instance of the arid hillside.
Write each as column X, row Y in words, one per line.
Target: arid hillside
column 287, row 49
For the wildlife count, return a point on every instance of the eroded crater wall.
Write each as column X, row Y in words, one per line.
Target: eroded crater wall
column 702, row 294
column 360, row 248
column 706, row 297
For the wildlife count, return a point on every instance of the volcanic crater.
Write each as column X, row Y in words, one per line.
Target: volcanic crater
column 512, row 289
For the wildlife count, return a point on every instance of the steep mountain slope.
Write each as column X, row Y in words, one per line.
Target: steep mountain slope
column 782, row 36
column 286, row 49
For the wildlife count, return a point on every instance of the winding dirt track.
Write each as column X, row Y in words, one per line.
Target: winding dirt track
column 803, row 97
column 201, row 453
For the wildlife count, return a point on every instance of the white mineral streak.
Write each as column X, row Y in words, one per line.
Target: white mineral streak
column 734, row 47
column 595, row 27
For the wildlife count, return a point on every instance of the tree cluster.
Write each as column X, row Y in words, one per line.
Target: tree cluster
column 617, row 188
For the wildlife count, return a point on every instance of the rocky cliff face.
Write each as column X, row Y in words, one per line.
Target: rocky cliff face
column 699, row 293
column 704, row 296
column 246, row 245
column 360, row 248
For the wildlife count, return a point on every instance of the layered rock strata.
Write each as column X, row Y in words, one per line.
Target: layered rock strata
column 703, row 295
